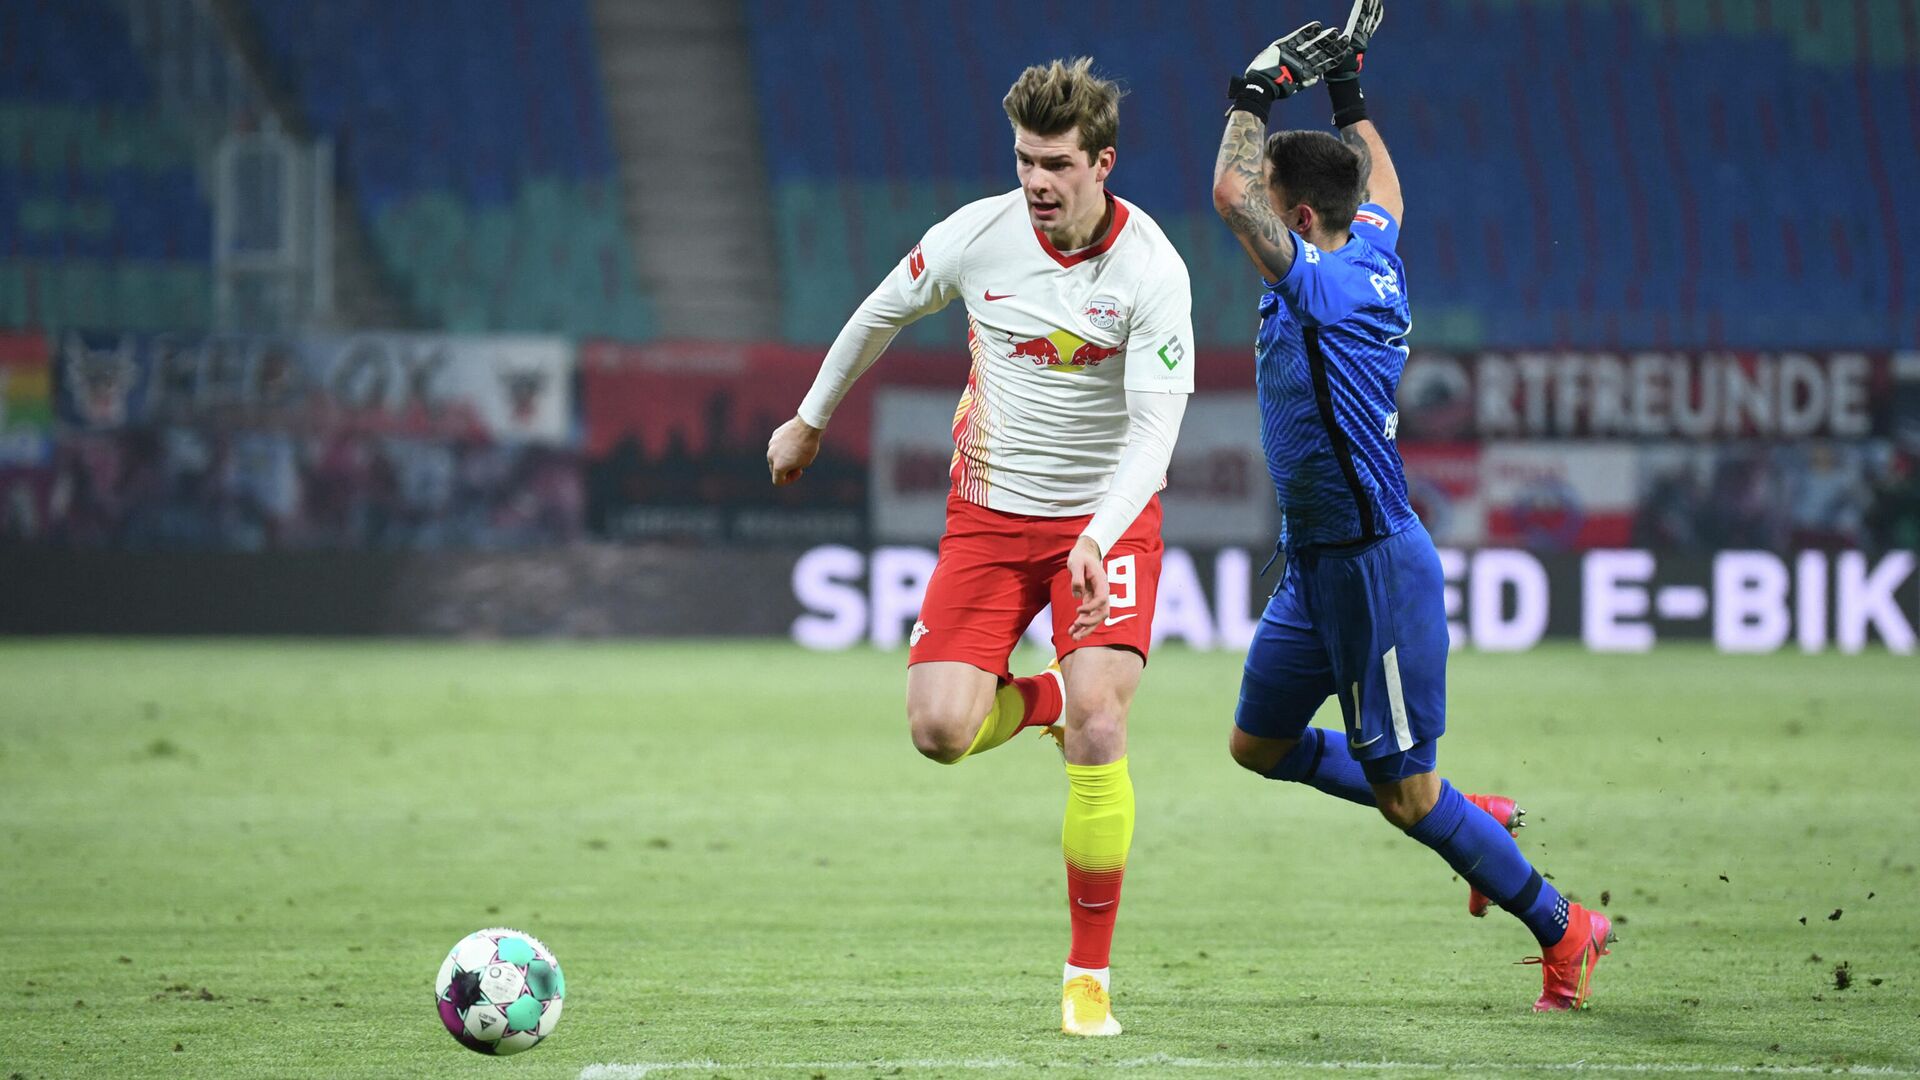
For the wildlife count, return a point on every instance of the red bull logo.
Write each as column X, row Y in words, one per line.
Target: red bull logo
column 1064, row 350
column 1042, row 351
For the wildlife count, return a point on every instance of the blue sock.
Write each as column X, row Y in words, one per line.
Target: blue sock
column 1320, row 759
column 1481, row 851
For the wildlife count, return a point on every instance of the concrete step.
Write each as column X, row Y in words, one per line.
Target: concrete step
column 717, row 318
column 655, row 15
column 693, row 182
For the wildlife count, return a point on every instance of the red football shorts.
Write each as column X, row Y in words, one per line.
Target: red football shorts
column 997, row 570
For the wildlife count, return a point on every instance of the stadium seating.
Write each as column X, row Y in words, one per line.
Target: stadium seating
column 473, row 135
column 1620, row 204
column 102, row 218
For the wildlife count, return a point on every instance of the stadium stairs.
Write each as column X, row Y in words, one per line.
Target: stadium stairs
column 365, row 294
column 693, row 183
column 477, row 153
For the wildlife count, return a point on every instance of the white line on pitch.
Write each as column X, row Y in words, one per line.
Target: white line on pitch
column 640, row 1070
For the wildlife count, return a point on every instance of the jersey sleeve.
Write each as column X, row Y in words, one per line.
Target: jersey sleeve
column 923, row 282
column 1160, row 341
column 1322, row 288
column 928, row 278
column 1373, row 224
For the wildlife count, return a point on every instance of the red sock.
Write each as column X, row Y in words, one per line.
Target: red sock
column 1040, row 694
column 1093, row 901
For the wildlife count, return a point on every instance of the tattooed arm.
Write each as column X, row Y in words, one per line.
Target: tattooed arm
column 1240, row 196
column 1379, row 183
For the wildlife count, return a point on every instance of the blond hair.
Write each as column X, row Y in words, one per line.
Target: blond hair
column 1064, row 95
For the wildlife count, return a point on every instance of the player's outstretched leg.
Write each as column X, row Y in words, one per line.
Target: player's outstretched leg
column 1319, row 759
column 1096, row 832
column 1572, row 939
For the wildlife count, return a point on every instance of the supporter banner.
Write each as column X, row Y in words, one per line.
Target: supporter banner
column 1444, row 483
column 1564, row 496
column 676, row 437
column 497, row 388
column 1497, row 599
column 26, row 446
column 1659, row 395
column 25, row 389
column 1558, row 496
column 1540, row 495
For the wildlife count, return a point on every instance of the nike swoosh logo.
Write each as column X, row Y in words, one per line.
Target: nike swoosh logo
column 988, row 295
column 1120, row 618
column 1369, row 742
column 1093, row 907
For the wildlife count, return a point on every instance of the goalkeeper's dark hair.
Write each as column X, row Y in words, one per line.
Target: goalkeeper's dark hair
column 1315, row 168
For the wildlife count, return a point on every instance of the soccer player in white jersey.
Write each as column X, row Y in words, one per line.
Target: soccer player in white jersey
column 1079, row 321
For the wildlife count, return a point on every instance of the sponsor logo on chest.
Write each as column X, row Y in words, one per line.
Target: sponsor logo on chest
column 1100, row 316
column 1061, row 349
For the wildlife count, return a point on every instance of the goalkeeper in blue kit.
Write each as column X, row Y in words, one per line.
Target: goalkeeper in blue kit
column 1359, row 613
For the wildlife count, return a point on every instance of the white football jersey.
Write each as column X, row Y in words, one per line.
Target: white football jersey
column 1057, row 341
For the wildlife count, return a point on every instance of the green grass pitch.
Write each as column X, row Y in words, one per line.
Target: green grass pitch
column 248, row 858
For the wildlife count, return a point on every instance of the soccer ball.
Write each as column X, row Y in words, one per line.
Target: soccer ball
column 499, row 991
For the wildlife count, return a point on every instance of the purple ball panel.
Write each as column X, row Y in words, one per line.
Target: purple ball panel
column 450, row 1016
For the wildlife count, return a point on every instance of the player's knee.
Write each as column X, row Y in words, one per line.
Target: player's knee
column 1257, row 754
column 1101, row 722
column 1403, row 805
column 1399, row 812
column 941, row 733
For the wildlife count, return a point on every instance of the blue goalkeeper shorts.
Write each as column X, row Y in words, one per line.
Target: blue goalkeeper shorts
column 1368, row 625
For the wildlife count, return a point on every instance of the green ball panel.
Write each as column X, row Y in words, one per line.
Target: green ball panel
column 515, row 950
column 543, row 979
column 524, row 1013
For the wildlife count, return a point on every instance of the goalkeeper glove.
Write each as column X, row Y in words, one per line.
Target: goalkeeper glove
column 1343, row 78
column 1285, row 67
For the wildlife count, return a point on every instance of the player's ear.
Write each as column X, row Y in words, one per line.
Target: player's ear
column 1103, row 162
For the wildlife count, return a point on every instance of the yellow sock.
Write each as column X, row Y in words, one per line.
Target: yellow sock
column 1031, row 699
column 1095, row 837
column 1002, row 721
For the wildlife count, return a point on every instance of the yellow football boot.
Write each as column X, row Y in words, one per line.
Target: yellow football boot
column 1085, row 1008
column 1057, row 731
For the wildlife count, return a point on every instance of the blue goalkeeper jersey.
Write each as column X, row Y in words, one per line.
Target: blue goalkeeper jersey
column 1331, row 348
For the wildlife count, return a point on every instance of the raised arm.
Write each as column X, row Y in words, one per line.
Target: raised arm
column 1282, row 69
column 1240, row 196
column 1379, row 183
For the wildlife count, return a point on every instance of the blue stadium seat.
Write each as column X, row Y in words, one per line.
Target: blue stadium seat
column 101, row 215
column 1571, row 216
column 475, row 136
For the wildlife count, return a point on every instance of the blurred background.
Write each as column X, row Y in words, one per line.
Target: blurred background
column 472, row 318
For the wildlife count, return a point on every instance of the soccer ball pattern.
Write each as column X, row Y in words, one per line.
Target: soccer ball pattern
column 499, row 991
